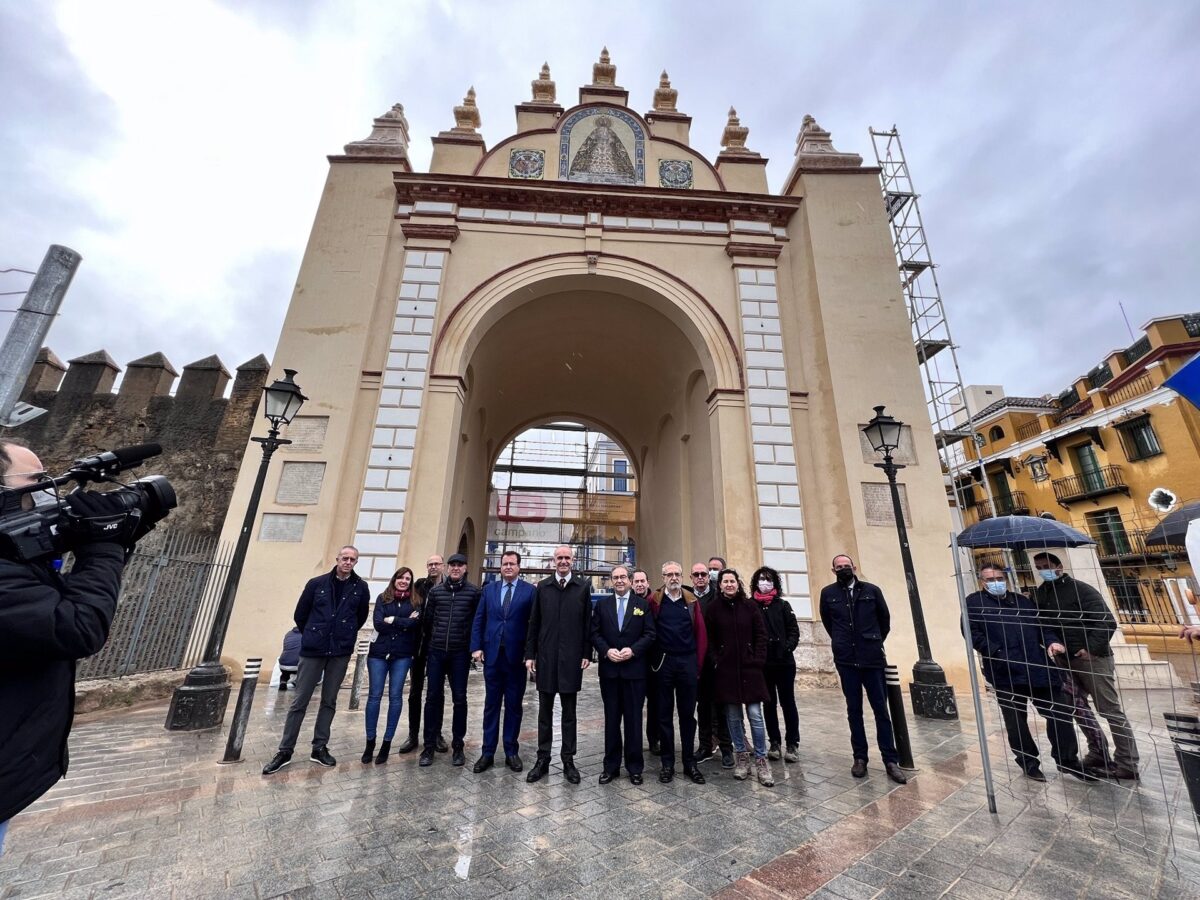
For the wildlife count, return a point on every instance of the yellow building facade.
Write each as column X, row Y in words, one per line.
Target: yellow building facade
column 594, row 267
column 1091, row 457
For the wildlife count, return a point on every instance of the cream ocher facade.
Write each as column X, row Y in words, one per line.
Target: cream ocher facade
column 594, row 267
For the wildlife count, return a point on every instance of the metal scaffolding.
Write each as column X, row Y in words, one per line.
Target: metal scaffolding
column 949, row 411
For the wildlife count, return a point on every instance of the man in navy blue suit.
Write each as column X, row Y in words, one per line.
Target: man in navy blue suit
column 498, row 640
column 622, row 633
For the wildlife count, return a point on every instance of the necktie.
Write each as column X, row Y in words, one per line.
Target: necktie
column 508, row 588
column 620, row 614
column 562, row 583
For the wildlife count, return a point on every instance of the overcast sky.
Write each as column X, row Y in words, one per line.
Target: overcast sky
column 180, row 147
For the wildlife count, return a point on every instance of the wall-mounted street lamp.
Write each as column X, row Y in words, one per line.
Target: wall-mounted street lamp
column 201, row 700
column 932, row 697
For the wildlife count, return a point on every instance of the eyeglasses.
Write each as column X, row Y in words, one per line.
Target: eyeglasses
column 36, row 476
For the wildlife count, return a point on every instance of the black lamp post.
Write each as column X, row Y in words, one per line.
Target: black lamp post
column 201, row 700
column 932, row 697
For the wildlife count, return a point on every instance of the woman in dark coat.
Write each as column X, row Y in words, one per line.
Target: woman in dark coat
column 737, row 642
column 397, row 632
column 783, row 634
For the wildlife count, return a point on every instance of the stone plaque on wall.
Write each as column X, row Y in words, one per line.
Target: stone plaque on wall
column 288, row 527
column 307, row 433
column 300, row 483
column 877, row 503
column 904, row 455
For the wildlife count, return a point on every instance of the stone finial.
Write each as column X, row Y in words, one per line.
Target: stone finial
column 604, row 72
column 543, row 87
column 388, row 137
column 665, row 95
column 733, row 139
column 814, row 148
column 466, row 116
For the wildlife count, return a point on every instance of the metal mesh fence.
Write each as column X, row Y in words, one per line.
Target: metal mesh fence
column 1078, row 713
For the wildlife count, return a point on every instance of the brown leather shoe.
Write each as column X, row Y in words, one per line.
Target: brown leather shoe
column 895, row 773
column 860, row 768
column 1123, row 773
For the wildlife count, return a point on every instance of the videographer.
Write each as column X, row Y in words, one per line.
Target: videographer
column 47, row 622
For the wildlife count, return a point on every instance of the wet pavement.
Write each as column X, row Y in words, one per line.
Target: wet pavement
column 148, row 813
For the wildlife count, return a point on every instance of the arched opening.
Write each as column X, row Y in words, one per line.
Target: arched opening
column 616, row 365
column 563, row 483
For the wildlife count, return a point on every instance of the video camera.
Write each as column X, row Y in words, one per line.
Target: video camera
column 37, row 522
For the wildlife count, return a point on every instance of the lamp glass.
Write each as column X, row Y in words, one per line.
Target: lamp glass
column 883, row 432
column 283, row 399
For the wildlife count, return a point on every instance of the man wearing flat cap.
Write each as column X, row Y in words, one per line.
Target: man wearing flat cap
column 450, row 608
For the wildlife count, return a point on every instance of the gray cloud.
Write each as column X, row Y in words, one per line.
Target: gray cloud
column 1051, row 145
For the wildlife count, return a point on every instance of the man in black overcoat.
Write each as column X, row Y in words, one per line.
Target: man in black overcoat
column 622, row 633
column 558, row 649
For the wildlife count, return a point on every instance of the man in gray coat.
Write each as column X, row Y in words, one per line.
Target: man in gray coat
column 557, row 651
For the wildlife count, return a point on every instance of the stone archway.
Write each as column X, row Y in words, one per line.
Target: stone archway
column 598, row 349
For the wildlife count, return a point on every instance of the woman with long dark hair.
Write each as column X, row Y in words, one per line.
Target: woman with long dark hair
column 783, row 634
column 737, row 644
column 397, row 634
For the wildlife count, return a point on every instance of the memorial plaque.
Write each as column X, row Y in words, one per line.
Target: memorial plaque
column 306, row 433
column 287, row 527
column 300, row 483
column 877, row 503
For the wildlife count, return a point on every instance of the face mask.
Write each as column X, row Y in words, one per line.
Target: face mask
column 845, row 576
column 765, row 585
column 1047, row 574
column 713, row 573
column 996, row 588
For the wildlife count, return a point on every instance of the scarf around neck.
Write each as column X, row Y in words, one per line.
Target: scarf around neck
column 765, row 599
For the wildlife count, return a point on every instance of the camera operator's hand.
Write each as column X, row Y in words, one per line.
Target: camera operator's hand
column 95, row 517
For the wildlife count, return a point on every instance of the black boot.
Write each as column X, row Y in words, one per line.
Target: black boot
column 370, row 751
column 384, row 749
column 409, row 745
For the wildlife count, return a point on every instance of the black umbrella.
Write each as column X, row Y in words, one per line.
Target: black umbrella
column 1172, row 530
column 1022, row 533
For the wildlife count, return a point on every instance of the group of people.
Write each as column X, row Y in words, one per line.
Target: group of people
column 693, row 662
column 1053, row 649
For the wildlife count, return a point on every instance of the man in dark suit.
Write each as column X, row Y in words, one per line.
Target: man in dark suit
column 558, row 649
column 498, row 641
column 622, row 633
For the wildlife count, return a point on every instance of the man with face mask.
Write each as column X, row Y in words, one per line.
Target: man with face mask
column 857, row 620
column 1013, row 642
column 1078, row 612
column 47, row 622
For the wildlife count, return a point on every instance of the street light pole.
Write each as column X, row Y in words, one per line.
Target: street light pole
column 932, row 697
column 200, row 701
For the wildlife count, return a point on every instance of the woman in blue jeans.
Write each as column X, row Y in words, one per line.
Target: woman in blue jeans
column 397, row 634
column 737, row 646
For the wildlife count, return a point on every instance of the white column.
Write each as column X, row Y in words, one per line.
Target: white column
column 781, row 523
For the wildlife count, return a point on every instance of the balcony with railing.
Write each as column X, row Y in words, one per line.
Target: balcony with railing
column 1074, row 411
column 1029, row 430
column 1014, row 504
column 1136, row 350
column 1128, row 547
column 1140, row 385
column 1097, row 483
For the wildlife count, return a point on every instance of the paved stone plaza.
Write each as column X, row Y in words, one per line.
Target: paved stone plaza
column 145, row 812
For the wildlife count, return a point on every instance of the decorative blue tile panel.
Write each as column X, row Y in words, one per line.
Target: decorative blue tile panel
column 527, row 164
column 675, row 173
column 602, row 157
